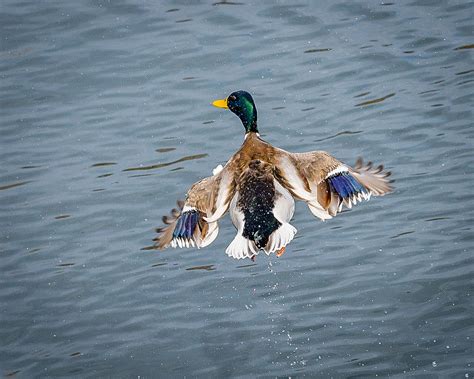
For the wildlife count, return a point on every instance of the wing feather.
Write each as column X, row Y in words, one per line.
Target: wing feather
column 326, row 183
column 195, row 222
column 374, row 179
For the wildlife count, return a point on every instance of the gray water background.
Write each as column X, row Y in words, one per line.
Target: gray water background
column 105, row 120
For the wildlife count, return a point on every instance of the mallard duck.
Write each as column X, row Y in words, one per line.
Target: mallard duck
column 258, row 185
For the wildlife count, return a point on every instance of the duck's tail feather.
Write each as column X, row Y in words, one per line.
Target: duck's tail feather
column 241, row 248
column 280, row 238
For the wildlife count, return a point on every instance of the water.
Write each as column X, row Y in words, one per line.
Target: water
column 106, row 121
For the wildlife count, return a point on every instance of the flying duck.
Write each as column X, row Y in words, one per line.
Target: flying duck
column 258, row 186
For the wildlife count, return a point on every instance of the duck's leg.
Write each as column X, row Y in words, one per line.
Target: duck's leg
column 253, row 258
column 280, row 252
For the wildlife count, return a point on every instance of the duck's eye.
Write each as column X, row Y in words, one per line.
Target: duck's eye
column 232, row 97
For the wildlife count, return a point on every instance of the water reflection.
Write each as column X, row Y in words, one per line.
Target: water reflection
column 464, row 47
column 13, row 185
column 345, row 132
column 205, row 268
column 161, row 165
column 60, row 217
column 317, row 50
column 159, row 264
column 101, row 164
column 65, row 264
column 403, row 234
column 165, row 149
column 375, row 101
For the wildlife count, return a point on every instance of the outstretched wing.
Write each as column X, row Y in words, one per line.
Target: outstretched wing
column 326, row 184
column 195, row 223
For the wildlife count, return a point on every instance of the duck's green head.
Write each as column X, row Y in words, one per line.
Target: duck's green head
column 241, row 103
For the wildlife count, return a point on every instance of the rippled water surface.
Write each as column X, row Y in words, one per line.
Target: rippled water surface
column 105, row 121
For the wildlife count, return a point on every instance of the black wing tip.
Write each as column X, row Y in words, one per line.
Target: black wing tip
column 174, row 214
column 359, row 164
column 151, row 247
column 168, row 220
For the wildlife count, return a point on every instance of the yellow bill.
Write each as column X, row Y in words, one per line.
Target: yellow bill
column 222, row 103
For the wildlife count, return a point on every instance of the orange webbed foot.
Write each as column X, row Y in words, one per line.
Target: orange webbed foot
column 280, row 252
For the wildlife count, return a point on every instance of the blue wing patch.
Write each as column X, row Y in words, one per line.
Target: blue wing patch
column 346, row 186
column 186, row 224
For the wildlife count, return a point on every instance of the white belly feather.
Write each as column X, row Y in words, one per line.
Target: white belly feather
column 284, row 207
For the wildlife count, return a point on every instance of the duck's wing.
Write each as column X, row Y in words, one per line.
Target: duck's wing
column 194, row 224
column 326, row 184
